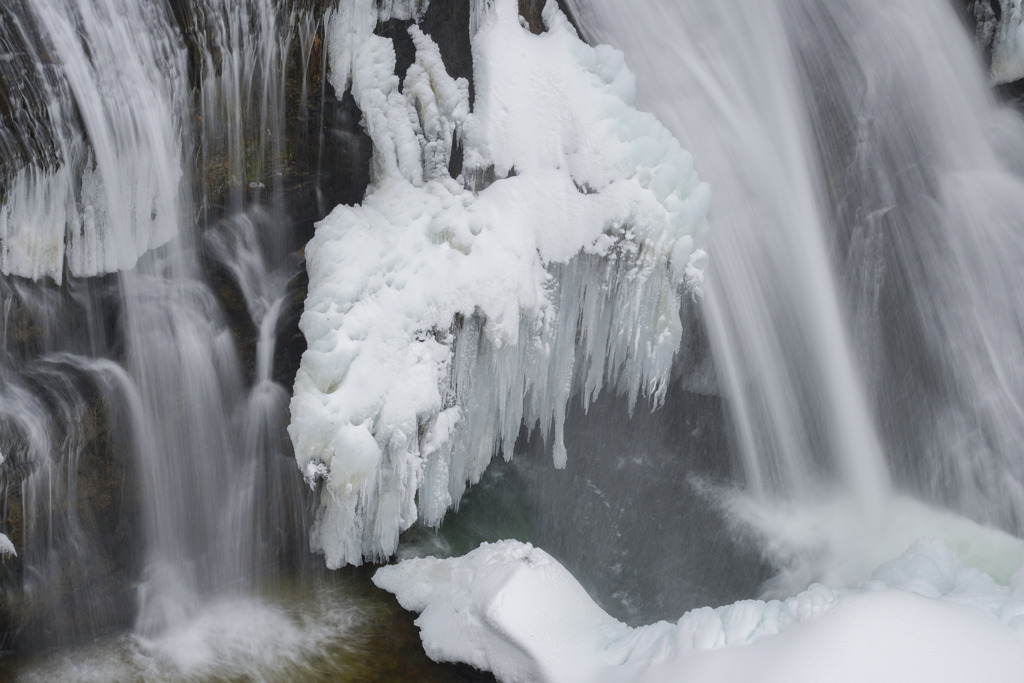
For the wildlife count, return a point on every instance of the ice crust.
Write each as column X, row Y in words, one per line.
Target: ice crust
column 512, row 609
column 444, row 313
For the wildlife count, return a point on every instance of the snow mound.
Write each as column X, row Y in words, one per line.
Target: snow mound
column 6, row 547
column 444, row 313
column 839, row 541
column 512, row 609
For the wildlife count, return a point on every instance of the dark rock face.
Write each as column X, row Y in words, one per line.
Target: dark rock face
column 982, row 18
column 530, row 11
column 447, row 23
column 344, row 172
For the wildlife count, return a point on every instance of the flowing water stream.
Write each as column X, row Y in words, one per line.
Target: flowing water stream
column 160, row 523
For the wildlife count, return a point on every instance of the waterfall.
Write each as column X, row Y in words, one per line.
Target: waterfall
column 93, row 131
column 860, row 299
column 529, row 255
column 159, row 376
column 772, row 309
column 841, row 166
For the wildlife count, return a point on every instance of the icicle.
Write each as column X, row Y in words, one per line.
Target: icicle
column 441, row 318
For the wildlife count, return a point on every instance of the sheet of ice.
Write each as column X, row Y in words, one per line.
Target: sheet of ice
column 512, row 609
column 444, row 313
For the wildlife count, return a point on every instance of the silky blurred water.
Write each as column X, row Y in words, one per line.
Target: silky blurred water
column 867, row 232
column 862, row 318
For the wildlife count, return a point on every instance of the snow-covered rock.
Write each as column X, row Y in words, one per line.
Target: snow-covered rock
column 512, row 609
column 444, row 313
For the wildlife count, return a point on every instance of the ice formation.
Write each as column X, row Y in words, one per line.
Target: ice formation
column 512, row 609
column 6, row 547
column 111, row 190
column 444, row 313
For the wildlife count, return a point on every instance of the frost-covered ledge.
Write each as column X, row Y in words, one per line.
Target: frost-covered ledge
column 444, row 313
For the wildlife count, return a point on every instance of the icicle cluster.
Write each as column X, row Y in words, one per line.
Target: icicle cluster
column 442, row 314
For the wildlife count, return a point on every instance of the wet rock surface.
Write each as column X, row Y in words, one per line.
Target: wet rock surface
column 73, row 515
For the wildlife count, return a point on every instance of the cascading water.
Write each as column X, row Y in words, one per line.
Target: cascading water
column 148, row 484
column 860, row 299
column 924, row 191
column 860, row 304
column 202, row 447
column 772, row 306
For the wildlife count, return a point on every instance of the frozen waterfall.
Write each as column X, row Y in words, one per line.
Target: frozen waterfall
column 288, row 286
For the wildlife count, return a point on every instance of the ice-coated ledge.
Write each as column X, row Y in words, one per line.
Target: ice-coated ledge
column 512, row 609
column 444, row 313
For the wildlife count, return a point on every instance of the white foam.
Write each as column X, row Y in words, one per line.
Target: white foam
column 230, row 638
column 839, row 542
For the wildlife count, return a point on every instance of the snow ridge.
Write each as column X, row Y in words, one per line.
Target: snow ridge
column 514, row 610
column 444, row 313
